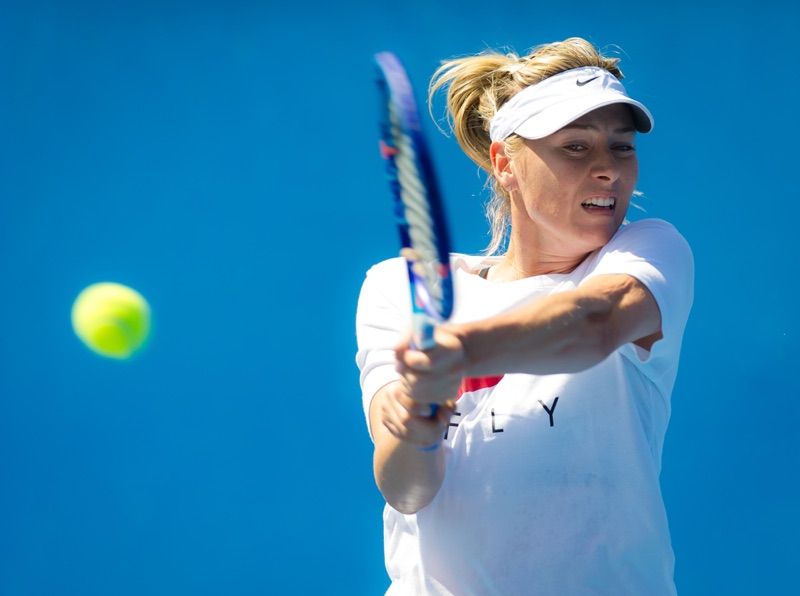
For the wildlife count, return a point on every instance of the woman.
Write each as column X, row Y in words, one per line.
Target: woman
column 539, row 472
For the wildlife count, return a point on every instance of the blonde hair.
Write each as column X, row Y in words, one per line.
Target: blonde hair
column 477, row 86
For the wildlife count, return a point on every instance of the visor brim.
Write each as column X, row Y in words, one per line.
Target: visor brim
column 563, row 113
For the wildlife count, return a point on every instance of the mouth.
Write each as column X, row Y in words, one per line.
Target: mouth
column 600, row 204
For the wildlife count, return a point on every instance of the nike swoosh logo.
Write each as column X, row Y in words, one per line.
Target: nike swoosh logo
column 582, row 83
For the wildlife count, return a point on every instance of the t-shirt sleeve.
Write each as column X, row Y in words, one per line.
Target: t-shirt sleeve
column 383, row 316
column 656, row 254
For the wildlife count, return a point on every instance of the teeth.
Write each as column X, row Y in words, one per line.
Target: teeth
column 598, row 202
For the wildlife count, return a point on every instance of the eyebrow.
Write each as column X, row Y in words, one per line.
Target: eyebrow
column 622, row 130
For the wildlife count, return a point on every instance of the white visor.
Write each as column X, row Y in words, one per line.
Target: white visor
column 542, row 109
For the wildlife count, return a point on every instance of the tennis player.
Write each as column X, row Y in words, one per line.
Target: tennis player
column 539, row 473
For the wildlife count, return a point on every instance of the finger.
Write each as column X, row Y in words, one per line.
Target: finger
column 417, row 360
column 412, row 429
column 441, row 358
column 421, row 409
column 409, row 418
column 437, row 391
column 404, row 343
column 395, row 430
column 405, row 410
column 397, row 408
column 396, row 423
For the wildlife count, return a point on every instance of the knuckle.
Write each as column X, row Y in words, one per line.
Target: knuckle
column 404, row 417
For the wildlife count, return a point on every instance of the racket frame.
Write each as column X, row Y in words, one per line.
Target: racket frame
column 402, row 136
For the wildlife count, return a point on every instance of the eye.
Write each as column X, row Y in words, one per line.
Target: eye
column 575, row 147
column 624, row 148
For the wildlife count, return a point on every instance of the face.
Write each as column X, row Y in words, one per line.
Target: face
column 570, row 191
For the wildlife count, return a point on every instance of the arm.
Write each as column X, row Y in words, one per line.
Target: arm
column 566, row 332
column 407, row 476
column 407, row 472
column 396, row 397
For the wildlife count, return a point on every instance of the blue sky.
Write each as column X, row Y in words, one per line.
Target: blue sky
column 221, row 158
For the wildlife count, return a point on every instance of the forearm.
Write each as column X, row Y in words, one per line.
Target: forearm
column 562, row 333
column 407, row 475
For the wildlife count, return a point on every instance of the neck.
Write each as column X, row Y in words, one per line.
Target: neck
column 527, row 259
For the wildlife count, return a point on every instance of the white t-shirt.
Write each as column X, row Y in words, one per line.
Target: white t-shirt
column 551, row 484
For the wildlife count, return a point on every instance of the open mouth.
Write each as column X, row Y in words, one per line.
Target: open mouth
column 599, row 204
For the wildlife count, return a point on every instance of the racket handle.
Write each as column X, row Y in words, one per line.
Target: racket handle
column 422, row 332
column 422, row 339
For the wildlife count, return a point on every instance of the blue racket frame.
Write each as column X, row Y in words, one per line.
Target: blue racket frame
column 416, row 195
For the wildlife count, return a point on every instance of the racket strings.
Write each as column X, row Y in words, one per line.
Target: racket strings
column 424, row 254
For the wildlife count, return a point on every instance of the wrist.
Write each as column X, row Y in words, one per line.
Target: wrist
column 465, row 334
column 431, row 448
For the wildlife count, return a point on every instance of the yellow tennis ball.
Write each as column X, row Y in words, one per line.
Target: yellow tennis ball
column 111, row 319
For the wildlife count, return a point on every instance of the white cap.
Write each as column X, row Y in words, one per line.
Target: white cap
column 542, row 109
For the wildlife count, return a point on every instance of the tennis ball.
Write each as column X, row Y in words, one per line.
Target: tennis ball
column 111, row 319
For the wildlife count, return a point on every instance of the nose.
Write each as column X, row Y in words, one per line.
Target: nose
column 605, row 166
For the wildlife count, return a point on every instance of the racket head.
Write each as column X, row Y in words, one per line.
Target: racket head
column 418, row 209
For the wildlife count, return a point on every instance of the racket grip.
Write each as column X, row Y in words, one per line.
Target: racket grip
column 422, row 339
column 422, row 332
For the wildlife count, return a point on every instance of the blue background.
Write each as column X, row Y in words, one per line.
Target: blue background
column 221, row 158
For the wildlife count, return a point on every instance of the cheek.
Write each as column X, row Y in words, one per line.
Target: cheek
column 632, row 171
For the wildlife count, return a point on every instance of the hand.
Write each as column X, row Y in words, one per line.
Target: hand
column 410, row 421
column 433, row 376
column 429, row 377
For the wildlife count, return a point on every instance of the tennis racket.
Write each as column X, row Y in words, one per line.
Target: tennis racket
column 417, row 203
column 418, row 210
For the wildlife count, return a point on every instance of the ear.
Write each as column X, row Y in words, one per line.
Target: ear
column 501, row 165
